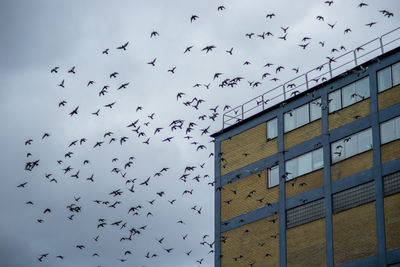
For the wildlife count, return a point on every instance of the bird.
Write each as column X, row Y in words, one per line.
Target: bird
column 362, row 4
column 153, row 34
column 74, row 112
column 187, row 49
column 110, row 105
column 208, row 48
column 270, row 16
column 193, row 18
column 54, row 70
column 229, row 51
column 72, row 70
column 123, row 47
column 172, row 70
column 220, row 8
column 105, row 51
column 114, row 74
column 61, row 84
column 152, row 62
column 22, row 185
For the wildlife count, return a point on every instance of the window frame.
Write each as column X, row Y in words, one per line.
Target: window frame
column 355, row 92
column 273, row 168
column 392, row 80
column 294, row 115
column 342, row 142
column 291, row 176
column 396, row 130
column 276, row 127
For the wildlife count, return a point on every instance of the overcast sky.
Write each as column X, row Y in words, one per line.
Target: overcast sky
column 37, row 36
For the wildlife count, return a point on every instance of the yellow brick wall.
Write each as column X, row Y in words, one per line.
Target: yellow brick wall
column 389, row 97
column 252, row 142
column 351, row 165
column 348, row 114
column 303, row 133
column 239, row 197
column 306, row 244
column 354, row 234
column 392, row 221
column 390, row 151
column 253, row 241
column 305, row 183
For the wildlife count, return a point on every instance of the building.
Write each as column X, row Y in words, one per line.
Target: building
column 314, row 178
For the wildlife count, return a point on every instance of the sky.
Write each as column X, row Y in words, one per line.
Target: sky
column 37, row 36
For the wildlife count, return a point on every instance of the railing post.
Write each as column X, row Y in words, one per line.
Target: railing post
column 242, row 112
column 355, row 57
column 330, row 68
column 381, row 42
column 284, row 92
column 262, row 99
column 307, row 87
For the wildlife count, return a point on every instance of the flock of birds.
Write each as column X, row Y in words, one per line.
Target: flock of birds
column 142, row 131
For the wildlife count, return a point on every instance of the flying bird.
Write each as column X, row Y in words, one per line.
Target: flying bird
column 123, row 47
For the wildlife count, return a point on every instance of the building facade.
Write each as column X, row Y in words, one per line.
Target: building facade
column 315, row 180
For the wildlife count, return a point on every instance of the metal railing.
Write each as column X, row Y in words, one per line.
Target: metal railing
column 328, row 70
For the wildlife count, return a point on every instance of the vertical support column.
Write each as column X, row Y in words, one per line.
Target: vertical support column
column 282, row 193
column 327, row 182
column 377, row 169
column 217, row 211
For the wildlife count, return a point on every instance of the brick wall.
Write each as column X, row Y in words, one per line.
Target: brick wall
column 303, row 133
column 354, row 234
column 392, row 221
column 246, row 147
column 389, row 97
column 390, row 151
column 349, row 114
column 253, row 242
column 305, row 183
column 306, row 244
column 351, row 165
column 240, row 198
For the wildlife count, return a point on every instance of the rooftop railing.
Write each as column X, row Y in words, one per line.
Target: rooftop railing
column 332, row 68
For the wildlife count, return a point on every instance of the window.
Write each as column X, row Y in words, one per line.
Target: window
column 390, row 130
column 348, row 95
column 303, row 164
column 389, row 77
column 351, row 145
column 302, row 115
column 272, row 129
column 273, row 176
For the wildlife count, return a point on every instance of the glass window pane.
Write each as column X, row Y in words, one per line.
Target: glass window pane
column 337, row 150
column 387, row 132
column 304, row 164
column 384, row 79
column 350, row 146
column 365, row 141
column 348, row 95
column 273, row 176
column 302, row 115
column 362, row 89
column 397, row 127
column 315, row 109
column 334, row 101
column 291, row 169
column 396, row 73
column 289, row 121
column 272, row 128
column 318, row 159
